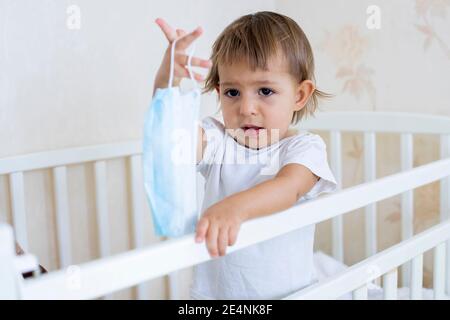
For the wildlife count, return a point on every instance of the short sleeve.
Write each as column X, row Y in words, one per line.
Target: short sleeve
column 214, row 134
column 310, row 151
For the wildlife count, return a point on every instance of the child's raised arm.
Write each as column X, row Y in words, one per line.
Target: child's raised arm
column 180, row 70
column 181, row 58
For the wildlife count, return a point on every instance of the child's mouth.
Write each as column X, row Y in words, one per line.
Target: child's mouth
column 251, row 131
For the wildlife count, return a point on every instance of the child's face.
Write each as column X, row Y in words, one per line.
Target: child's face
column 262, row 98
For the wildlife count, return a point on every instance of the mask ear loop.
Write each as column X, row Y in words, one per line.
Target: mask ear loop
column 172, row 58
column 189, row 66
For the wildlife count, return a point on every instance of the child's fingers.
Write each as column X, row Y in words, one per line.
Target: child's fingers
column 166, row 29
column 195, row 61
column 202, row 228
column 198, row 76
column 181, row 33
column 211, row 240
column 232, row 235
column 183, row 72
column 222, row 241
column 186, row 40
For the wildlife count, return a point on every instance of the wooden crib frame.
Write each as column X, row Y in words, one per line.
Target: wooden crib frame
column 111, row 273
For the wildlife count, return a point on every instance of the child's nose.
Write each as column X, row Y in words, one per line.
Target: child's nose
column 248, row 107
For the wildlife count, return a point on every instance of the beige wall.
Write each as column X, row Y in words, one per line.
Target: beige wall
column 64, row 88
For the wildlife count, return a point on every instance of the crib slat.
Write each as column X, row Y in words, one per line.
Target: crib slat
column 102, row 207
column 18, row 209
column 360, row 293
column 439, row 271
column 445, row 203
column 445, row 182
column 416, row 278
column 174, row 292
column 407, row 204
column 371, row 209
column 8, row 275
column 390, row 285
column 62, row 215
column 101, row 204
column 337, row 222
column 137, row 202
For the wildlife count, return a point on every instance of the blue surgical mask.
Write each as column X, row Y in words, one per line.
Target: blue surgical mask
column 169, row 157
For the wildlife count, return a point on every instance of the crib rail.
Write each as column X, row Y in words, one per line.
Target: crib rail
column 113, row 273
column 58, row 160
column 65, row 157
column 378, row 122
column 384, row 264
column 369, row 124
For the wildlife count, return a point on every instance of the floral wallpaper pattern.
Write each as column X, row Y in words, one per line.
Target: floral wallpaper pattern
column 428, row 11
column 347, row 48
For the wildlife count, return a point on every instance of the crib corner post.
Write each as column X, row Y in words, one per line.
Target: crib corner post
column 445, row 205
column 9, row 289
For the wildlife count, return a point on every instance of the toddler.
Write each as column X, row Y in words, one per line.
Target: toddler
column 254, row 163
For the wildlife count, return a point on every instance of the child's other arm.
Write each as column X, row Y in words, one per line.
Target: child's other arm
column 277, row 194
column 220, row 223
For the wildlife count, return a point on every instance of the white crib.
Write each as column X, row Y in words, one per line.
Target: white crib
column 115, row 272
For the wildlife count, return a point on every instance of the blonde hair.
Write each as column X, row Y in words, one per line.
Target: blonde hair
column 258, row 37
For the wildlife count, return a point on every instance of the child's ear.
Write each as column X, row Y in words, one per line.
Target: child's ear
column 304, row 91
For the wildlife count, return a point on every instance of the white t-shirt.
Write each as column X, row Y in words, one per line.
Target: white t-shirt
column 276, row 267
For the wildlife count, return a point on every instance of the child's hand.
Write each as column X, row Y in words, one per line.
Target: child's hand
column 181, row 58
column 219, row 225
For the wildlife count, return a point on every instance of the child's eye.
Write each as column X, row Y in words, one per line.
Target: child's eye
column 232, row 93
column 266, row 92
